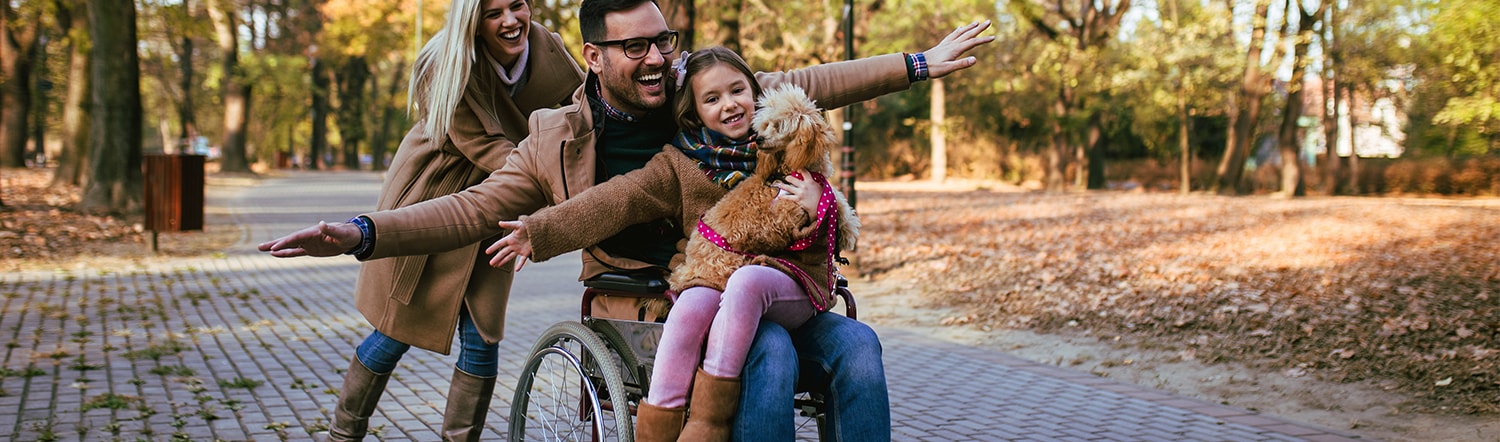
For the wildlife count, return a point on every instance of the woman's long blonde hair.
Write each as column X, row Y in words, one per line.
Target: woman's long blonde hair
column 442, row 69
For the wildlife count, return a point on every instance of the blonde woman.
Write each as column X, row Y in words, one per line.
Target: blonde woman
column 473, row 86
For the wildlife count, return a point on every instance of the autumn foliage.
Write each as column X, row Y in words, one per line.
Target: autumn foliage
column 1402, row 292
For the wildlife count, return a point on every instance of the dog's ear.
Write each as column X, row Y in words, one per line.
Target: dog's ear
column 788, row 120
column 810, row 143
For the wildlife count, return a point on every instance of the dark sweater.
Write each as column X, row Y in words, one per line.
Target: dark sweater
column 627, row 143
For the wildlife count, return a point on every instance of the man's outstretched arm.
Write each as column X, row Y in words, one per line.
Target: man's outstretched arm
column 323, row 239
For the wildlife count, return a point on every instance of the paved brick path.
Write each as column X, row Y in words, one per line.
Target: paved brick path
column 246, row 347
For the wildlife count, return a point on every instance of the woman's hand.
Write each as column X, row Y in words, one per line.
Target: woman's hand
column 516, row 245
column 804, row 191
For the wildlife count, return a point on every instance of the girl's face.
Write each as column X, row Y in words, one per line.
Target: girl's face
column 724, row 100
column 502, row 29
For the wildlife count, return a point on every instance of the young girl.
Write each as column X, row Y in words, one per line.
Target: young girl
column 714, row 152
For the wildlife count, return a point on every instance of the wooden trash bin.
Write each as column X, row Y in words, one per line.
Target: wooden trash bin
column 174, row 193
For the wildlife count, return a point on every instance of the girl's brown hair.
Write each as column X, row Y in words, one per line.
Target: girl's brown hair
column 687, row 111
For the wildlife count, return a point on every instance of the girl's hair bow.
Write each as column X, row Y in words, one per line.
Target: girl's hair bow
column 679, row 68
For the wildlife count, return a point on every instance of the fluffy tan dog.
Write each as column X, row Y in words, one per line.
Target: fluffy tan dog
column 793, row 136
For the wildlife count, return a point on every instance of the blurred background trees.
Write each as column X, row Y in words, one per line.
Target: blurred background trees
column 1235, row 96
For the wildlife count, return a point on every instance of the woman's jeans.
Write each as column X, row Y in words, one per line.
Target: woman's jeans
column 380, row 353
column 829, row 351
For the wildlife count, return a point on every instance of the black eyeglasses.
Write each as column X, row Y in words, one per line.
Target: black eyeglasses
column 636, row 48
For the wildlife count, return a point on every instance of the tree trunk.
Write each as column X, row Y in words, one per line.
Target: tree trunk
column 39, row 99
column 185, row 114
column 1346, row 135
column 352, row 109
column 1095, row 160
column 17, row 49
column 115, row 132
column 729, row 20
column 378, row 145
column 1330, row 102
column 1055, row 176
column 319, row 143
column 680, row 15
column 236, row 90
column 1330, row 134
column 234, row 155
column 1252, row 92
column 72, row 160
column 1292, row 183
column 939, row 139
column 1182, row 142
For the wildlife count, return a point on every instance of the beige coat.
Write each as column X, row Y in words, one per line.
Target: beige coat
column 557, row 162
column 416, row 299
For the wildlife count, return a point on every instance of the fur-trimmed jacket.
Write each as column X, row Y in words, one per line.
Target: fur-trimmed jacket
column 416, row 299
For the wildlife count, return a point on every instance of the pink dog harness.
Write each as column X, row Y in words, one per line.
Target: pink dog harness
column 824, row 203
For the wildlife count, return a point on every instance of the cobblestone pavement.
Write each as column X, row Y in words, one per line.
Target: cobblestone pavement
column 242, row 346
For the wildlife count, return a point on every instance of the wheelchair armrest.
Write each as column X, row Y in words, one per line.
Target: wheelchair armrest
column 643, row 283
column 841, row 288
column 623, row 285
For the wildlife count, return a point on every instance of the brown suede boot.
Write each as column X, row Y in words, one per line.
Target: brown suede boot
column 711, row 411
column 657, row 424
column 357, row 399
column 468, row 405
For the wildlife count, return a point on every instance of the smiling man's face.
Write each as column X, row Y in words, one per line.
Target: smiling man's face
column 632, row 85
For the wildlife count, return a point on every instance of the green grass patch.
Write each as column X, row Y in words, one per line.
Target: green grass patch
column 155, row 352
column 239, row 382
column 112, row 401
column 29, row 371
column 173, row 370
column 83, row 366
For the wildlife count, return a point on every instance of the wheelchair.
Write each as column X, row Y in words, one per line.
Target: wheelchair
column 584, row 380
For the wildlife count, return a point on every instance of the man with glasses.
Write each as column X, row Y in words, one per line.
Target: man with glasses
column 619, row 119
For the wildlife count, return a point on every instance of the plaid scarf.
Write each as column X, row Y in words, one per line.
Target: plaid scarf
column 725, row 161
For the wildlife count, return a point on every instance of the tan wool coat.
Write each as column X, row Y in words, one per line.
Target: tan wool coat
column 416, row 299
column 557, row 162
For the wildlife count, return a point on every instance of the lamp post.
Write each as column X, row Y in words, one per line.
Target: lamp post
column 846, row 174
column 416, row 40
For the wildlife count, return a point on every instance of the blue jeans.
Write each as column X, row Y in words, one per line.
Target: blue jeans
column 380, row 353
column 830, row 352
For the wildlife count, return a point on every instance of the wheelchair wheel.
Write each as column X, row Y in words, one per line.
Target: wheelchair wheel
column 636, row 376
column 571, row 389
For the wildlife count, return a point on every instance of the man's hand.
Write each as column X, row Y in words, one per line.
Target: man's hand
column 943, row 59
column 516, row 245
column 804, row 191
column 323, row 239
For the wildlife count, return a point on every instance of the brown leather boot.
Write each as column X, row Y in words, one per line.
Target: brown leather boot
column 357, row 399
column 468, row 405
column 657, row 424
column 711, row 411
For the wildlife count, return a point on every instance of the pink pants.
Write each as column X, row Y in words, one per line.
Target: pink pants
column 728, row 321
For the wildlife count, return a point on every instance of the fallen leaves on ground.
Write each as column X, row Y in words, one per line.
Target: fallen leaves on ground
column 1404, row 291
column 40, row 227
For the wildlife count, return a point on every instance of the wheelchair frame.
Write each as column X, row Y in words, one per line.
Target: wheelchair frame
column 585, row 378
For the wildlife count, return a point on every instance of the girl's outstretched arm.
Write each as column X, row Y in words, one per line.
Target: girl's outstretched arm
column 516, row 245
